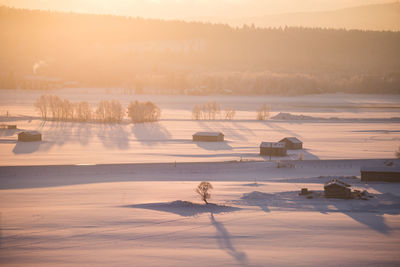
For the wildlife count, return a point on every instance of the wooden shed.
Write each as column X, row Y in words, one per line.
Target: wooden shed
column 380, row 174
column 273, row 149
column 337, row 189
column 8, row 126
column 292, row 143
column 30, row 136
column 208, row 137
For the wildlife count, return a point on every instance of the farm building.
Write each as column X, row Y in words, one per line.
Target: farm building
column 292, row 143
column 337, row 189
column 8, row 126
column 380, row 174
column 208, row 137
column 31, row 136
column 272, row 149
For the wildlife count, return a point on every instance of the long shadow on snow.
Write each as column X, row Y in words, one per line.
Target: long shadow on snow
column 184, row 208
column 214, row 145
column 150, row 133
column 224, row 240
column 368, row 212
column 189, row 209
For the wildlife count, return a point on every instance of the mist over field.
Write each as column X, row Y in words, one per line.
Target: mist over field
column 199, row 133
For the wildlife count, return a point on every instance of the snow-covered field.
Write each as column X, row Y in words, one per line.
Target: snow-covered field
column 364, row 130
column 123, row 194
column 96, row 216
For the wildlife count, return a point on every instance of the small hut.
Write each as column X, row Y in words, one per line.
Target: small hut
column 208, row 137
column 380, row 174
column 273, row 149
column 337, row 189
column 30, row 136
column 292, row 143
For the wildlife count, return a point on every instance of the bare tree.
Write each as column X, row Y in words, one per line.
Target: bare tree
column 143, row 112
column 202, row 189
column 42, row 106
column 83, row 111
column 263, row 113
column 196, row 112
column 229, row 113
column 206, row 111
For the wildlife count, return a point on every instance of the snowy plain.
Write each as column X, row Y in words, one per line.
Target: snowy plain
column 123, row 195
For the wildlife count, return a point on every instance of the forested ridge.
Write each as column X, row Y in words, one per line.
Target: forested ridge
column 149, row 55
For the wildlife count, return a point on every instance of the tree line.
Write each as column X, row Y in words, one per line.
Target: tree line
column 52, row 107
column 212, row 111
column 156, row 56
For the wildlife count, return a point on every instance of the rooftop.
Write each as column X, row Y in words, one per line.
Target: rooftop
column 208, row 133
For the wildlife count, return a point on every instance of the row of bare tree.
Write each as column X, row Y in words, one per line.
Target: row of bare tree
column 54, row 108
column 210, row 111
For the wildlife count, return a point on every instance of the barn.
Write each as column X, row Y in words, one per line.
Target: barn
column 273, row 149
column 380, row 174
column 208, row 137
column 292, row 143
column 337, row 189
column 30, row 136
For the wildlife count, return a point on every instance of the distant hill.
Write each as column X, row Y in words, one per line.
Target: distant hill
column 367, row 17
column 203, row 58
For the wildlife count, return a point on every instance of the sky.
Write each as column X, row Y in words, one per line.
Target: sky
column 183, row 9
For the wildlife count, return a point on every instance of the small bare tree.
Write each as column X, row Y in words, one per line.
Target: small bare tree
column 229, row 113
column 196, row 112
column 202, row 189
column 42, row 106
column 263, row 113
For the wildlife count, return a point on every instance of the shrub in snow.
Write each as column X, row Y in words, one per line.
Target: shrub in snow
column 202, row 189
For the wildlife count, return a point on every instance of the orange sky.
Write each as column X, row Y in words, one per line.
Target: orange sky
column 180, row 9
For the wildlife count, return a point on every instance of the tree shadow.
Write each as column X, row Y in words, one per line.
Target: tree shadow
column 274, row 126
column 150, row 133
column 214, row 145
column 368, row 212
column 113, row 135
column 9, row 132
column 27, row 147
column 224, row 241
column 185, row 208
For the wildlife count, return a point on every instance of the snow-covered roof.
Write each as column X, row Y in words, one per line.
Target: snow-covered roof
column 208, row 133
column 292, row 139
column 336, row 182
column 273, row 144
column 380, row 169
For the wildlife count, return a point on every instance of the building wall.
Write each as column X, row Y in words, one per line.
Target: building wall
column 201, row 138
column 29, row 138
column 380, row 176
column 272, row 151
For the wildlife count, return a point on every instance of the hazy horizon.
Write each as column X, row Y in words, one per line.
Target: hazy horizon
column 190, row 9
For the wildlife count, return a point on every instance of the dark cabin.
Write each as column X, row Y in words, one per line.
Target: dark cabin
column 292, row 143
column 380, row 174
column 208, row 137
column 273, row 149
column 337, row 189
column 31, row 136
